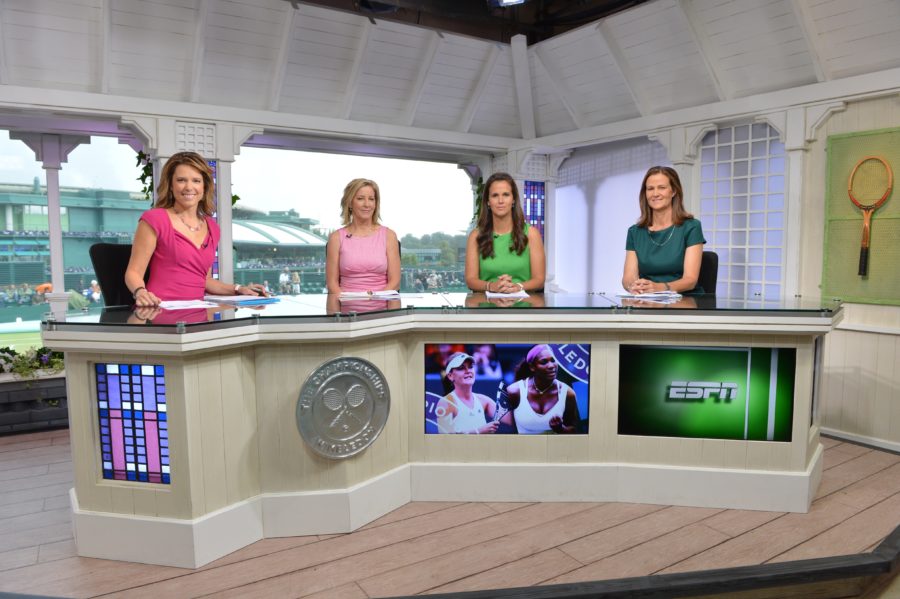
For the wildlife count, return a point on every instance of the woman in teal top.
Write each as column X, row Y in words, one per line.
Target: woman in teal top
column 503, row 254
column 663, row 250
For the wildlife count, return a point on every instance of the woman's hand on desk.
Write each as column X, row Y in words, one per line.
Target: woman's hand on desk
column 145, row 298
column 252, row 289
column 645, row 286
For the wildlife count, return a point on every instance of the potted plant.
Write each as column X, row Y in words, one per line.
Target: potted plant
column 32, row 390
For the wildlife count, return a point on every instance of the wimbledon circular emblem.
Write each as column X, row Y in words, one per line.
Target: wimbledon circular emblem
column 343, row 407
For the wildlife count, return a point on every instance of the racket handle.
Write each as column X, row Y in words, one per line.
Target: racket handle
column 863, row 261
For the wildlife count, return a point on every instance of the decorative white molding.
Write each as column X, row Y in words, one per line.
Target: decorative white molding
column 144, row 128
column 196, row 137
column 522, row 76
column 554, row 163
column 487, row 71
column 415, row 95
column 634, row 483
column 818, row 114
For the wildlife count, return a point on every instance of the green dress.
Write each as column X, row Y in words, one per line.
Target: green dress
column 660, row 254
column 506, row 261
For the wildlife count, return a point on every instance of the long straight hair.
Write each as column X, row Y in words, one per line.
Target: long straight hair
column 485, row 224
column 679, row 214
column 164, row 196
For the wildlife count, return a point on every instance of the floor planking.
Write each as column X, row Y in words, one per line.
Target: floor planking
column 424, row 547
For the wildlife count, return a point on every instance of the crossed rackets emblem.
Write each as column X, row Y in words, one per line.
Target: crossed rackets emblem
column 343, row 404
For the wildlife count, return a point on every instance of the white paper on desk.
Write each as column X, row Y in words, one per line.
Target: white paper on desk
column 379, row 295
column 186, row 304
column 493, row 294
column 659, row 297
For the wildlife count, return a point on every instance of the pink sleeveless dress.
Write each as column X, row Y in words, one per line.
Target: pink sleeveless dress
column 363, row 261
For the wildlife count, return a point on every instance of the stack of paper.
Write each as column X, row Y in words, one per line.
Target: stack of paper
column 380, row 295
column 657, row 297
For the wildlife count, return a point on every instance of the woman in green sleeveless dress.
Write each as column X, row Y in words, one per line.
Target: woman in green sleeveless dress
column 663, row 250
column 504, row 254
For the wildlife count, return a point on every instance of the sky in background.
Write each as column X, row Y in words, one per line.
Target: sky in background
column 417, row 197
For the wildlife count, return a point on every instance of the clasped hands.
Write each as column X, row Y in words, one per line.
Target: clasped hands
column 504, row 284
column 645, row 286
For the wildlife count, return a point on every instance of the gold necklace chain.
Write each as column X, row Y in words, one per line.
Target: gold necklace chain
column 190, row 228
column 538, row 389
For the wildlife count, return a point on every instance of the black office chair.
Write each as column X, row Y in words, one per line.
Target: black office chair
column 709, row 272
column 110, row 261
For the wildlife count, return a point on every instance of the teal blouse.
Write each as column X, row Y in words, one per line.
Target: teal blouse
column 505, row 261
column 660, row 254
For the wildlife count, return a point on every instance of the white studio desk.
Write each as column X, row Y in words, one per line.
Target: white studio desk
column 239, row 470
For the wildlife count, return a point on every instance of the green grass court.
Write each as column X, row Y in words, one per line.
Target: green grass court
column 20, row 341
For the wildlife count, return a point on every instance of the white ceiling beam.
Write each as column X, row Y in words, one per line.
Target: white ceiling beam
column 817, row 51
column 522, row 77
column 199, row 49
column 284, row 52
column 604, row 40
column 562, row 91
column 707, row 51
column 487, row 71
column 353, row 80
column 105, row 42
column 4, row 77
column 415, row 95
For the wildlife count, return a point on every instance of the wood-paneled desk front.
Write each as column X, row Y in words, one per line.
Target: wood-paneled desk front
column 220, row 392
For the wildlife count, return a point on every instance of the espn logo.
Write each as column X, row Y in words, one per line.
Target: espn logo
column 700, row 390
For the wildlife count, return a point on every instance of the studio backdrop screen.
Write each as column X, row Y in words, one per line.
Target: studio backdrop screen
column 506, row 388
column 707, row 392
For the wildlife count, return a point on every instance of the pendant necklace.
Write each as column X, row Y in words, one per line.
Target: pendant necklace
column 538, row 389
column 190, row 228
column 668, row 237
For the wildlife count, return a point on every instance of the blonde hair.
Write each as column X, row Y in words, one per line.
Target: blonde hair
column 350, row 192
column 164, row 196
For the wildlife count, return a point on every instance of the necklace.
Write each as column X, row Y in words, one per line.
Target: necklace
column 190, row 228
column 538, row 389
column 668, row 237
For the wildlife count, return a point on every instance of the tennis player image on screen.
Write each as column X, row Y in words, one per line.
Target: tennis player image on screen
column 707, row 392
column 490, row 389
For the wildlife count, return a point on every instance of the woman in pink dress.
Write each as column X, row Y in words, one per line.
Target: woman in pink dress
column 178, row 237
column 363, row 255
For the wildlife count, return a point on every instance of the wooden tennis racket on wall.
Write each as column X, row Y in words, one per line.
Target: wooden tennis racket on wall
column 869, row 186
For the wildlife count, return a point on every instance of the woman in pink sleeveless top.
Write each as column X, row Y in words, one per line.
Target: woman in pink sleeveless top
column 363, row 255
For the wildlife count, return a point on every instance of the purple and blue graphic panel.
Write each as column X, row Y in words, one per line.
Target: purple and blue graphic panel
column 134, row 431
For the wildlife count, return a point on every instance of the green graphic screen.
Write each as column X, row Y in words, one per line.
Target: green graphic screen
column 707, row 392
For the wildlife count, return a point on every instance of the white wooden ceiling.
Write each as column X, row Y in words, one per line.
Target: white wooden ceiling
column 266, row 55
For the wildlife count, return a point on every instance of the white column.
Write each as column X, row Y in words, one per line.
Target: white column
column 550, row 210
column 223, row 210
column 52, row 151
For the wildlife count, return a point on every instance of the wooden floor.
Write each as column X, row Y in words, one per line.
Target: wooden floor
column 440, row 547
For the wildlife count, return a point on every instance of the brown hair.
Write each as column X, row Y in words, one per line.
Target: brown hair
column 164, row 196
column 485, row 224
column 350, row 192
column 679, row 214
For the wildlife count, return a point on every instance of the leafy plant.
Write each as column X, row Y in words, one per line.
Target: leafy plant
column 479, row 191
column 146, row 176
column 30, row 363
